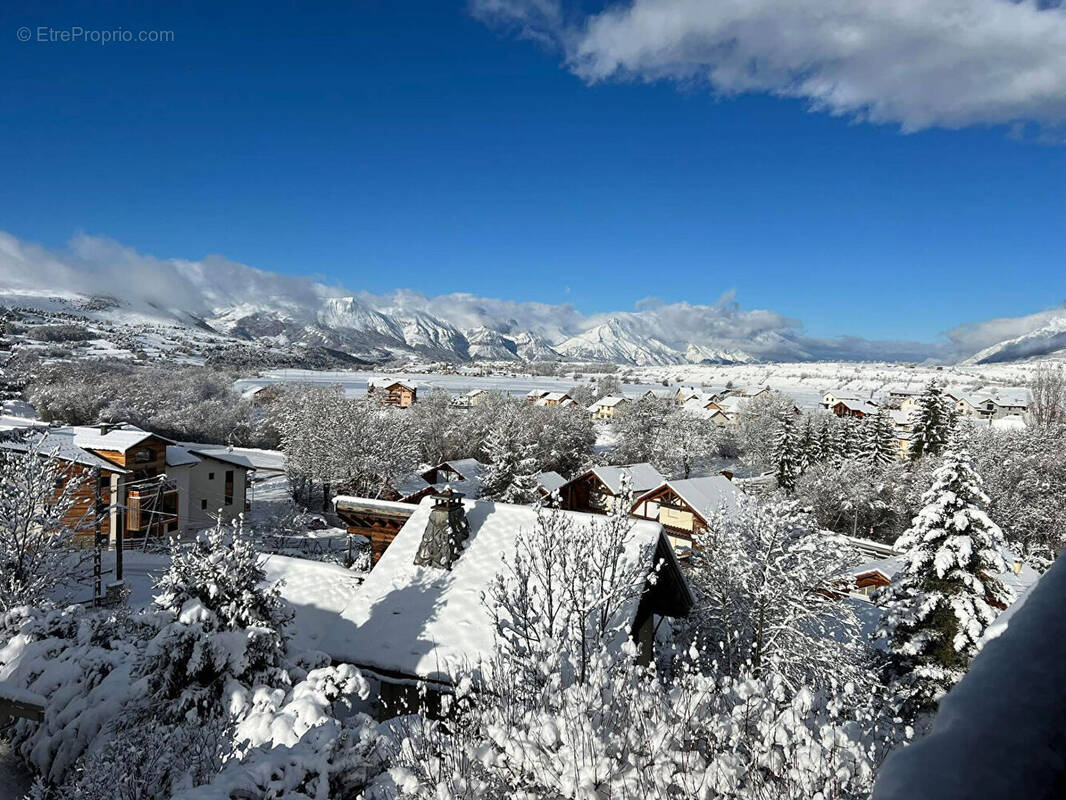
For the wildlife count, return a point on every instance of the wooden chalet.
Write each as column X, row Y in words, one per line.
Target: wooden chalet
column 687, row 508
column 393, row 392
column 600, row 489
column 377, row 520
column 419, row 621
column 552, row 399
column 853, row 408
column 124, row 491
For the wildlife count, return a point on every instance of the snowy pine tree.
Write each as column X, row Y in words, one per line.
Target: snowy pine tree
column 937, row 609
column 220, row 624
column 933, row 422
column 786, row 455
column 807, row 448
column 879, row 445
column 827, row 441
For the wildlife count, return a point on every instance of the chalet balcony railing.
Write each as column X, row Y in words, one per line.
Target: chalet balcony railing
column 152, row 510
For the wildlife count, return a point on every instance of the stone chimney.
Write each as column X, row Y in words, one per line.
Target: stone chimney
column 446, row 531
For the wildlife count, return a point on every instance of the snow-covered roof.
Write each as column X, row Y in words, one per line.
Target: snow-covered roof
column 707, row 495
column 554, row 397
column 900, row 417
column 61, row 442
column 430, row 623
column 411, row 484
column 178, row 456
column 533, row 394
column 1019, row 581
column 550, row 480
column 732, row 404
column 1003, row 396
column 610, row 401
column 469, row 468
column 119, row 439
column 642, row 476
column 342, row 500
column 475, row 392
column 385, row 383
column 568, row 401
column 862, row 406
column 220, row 453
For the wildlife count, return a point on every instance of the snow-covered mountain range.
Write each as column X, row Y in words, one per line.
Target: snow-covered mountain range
column 99, row 279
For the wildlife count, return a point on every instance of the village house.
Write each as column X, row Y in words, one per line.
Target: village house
column 686, row 393
column 212, row 485
column 601, row 489
column 392, row 391
column 846, row 407
column 552, row 399
column 146, row 485
column 687, row 508
column 993, row 403
column 377, row 520
column 832, row 397
column 533, row 395
column 420, row 618
column 476, row 397
column 549, row 482
column 606, row 407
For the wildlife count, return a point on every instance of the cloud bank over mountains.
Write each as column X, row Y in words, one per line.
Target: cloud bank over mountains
column 916, row 63
column 250, row 303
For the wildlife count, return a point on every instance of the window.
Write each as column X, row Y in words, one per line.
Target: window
column 210, row 476
column 229, row 487
column 203, row 505
column 144, row 455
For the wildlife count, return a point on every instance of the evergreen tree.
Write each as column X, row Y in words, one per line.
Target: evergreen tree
column 221, row 624
column 846, row 439
column 879, row 446
column 511, row 476
column 937, row 609
column 827, row 443
column 786, row 455
column 932, row 424
column 807, row 447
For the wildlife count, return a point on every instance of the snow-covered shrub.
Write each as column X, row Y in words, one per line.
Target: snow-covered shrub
column 294, row 744
column 938, row 607
column 38, row 518
column 217, row 625
column 81, row 663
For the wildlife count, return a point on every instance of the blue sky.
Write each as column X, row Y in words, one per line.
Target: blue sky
column 382, row 147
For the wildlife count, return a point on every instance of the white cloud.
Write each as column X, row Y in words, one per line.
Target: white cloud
column 99, row 265
column 918, row 63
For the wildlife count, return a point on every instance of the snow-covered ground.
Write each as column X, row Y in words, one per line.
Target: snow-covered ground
column 317, row 591
column 805, row 382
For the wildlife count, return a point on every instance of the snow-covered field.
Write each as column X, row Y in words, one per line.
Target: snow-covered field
column 805, row 382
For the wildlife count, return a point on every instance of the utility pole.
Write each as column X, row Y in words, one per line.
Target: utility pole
column 119, row 535
column 97, row 537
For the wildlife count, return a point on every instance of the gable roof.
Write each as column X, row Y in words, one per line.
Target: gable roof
column 385, row 383
column 707, row 495
column 550, row 480
column 424, row 622
column 610, row 401
column 642, row 476
column 61, row 442
column 178, row 456
column 119, row 438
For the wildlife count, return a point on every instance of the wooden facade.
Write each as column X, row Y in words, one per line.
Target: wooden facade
column 375, row 521
column 681, row 523
column 397, row 393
